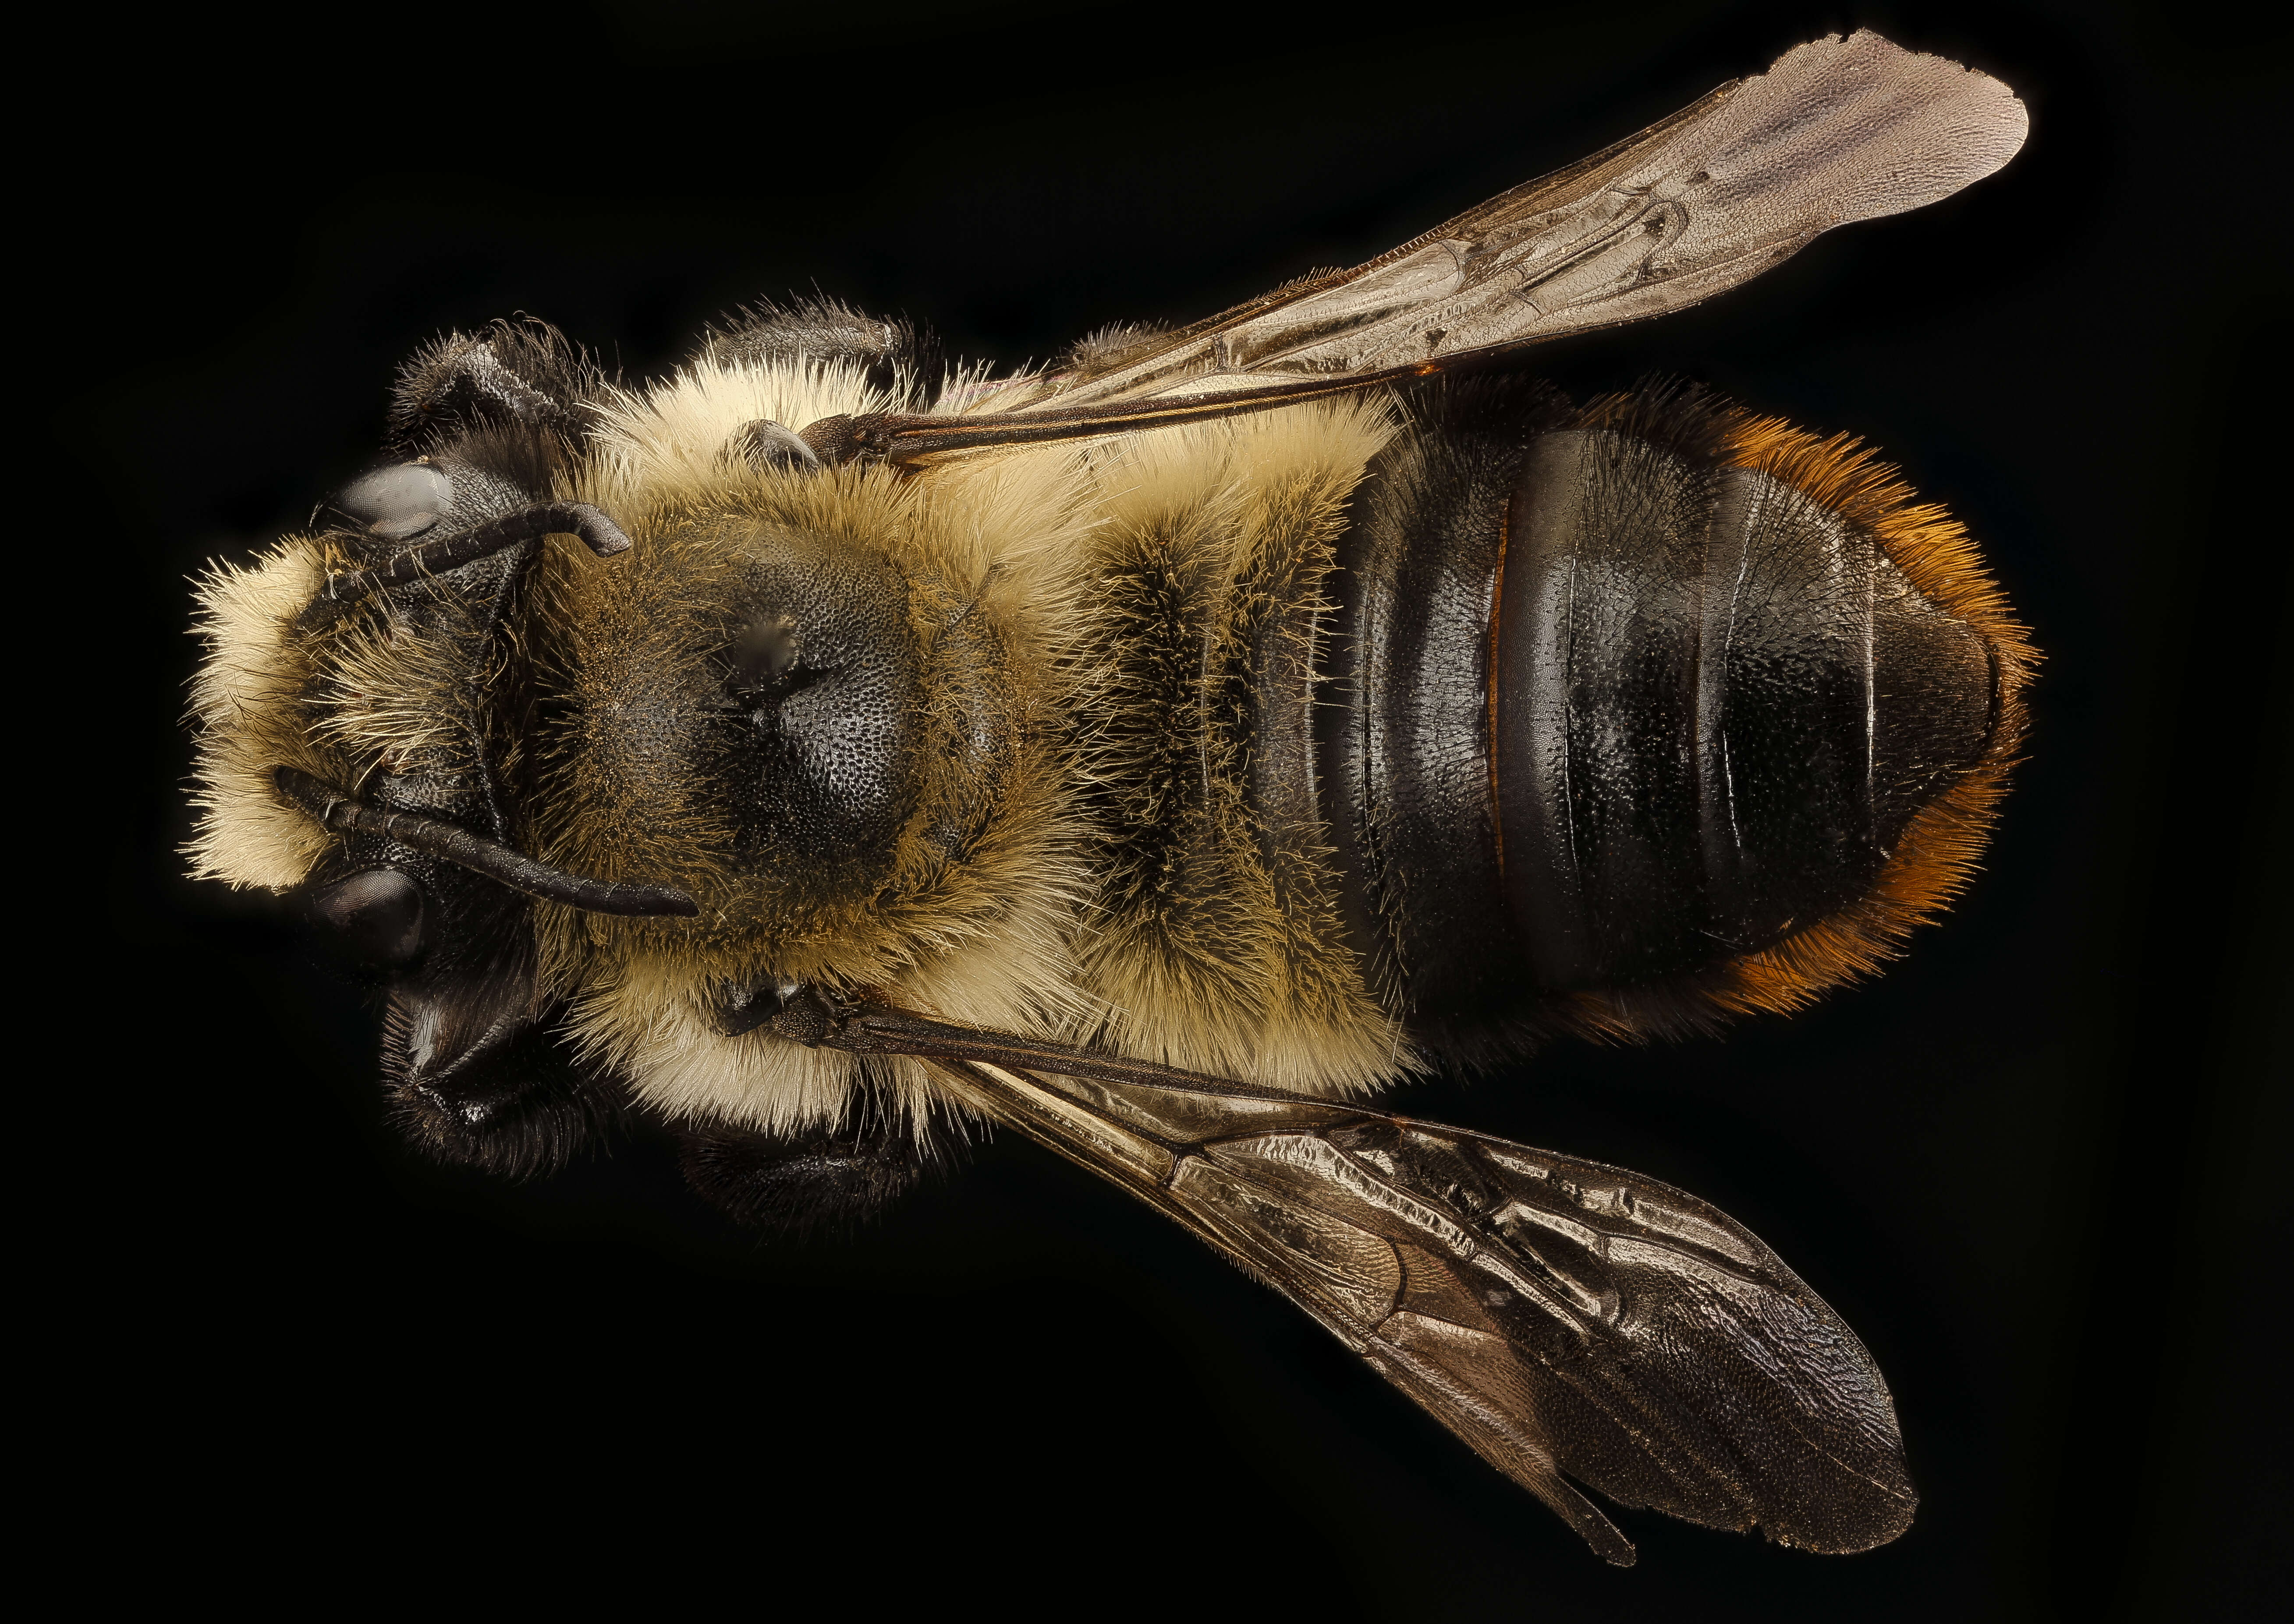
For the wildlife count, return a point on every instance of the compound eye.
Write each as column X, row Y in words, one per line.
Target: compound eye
column 397, row 503
column 373, row 918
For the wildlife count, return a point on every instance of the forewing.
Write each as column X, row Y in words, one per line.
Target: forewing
column 1838, row 130
column 1562, row 1316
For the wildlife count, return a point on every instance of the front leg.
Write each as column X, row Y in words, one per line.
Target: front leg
column 513, row 396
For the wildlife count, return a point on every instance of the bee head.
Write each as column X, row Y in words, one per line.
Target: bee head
column 361, row 710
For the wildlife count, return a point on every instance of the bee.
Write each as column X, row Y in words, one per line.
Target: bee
column 827, row 747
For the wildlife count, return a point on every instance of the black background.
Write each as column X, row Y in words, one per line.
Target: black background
column 2030, row 1166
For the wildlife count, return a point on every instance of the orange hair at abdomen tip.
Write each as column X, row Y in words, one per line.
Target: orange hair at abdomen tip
column 1938, row 850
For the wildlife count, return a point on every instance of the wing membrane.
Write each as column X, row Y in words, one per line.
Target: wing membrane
column 1564, row 1318
column 1836, row 131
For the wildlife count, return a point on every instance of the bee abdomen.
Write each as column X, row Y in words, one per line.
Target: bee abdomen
column 1719, row 704
column 1742, row 711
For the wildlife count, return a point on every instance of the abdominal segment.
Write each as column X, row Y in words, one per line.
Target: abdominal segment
column 1621, row 720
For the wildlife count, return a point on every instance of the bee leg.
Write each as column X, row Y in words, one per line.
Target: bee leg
column 815, row 1179
column 512, row 1102
column 898, row 359
column 519, row 378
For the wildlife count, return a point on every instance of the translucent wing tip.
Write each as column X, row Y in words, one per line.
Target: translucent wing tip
column 1942, row 125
